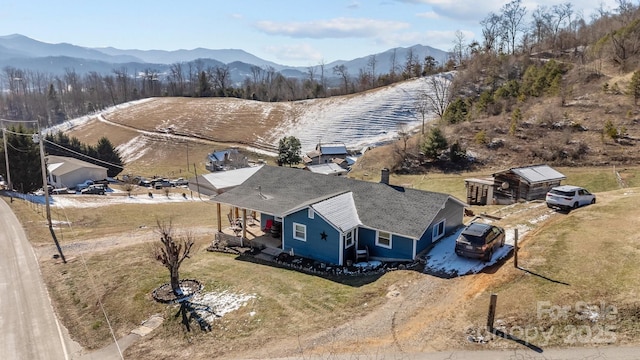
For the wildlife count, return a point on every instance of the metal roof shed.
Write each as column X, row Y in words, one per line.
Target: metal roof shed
column 525, row 183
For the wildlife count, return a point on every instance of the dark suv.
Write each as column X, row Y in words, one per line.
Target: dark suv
column 479, row 241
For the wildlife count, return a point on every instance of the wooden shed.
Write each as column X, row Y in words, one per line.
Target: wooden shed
column 509, row 186
column 525, row 183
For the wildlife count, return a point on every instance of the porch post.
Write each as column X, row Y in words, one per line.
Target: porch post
column 244, row 223
column 218, row 208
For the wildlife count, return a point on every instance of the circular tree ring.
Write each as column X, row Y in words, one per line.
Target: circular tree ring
column 164, row 293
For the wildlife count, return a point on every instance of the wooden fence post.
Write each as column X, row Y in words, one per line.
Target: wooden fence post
column 492, row 312
column 515, row 248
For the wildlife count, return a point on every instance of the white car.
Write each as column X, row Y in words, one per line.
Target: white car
column 567, row 197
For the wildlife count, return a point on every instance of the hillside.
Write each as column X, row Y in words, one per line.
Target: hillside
column 569, row 134
column 364, row 119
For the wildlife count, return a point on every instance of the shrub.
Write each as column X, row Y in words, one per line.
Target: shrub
column 481, row 137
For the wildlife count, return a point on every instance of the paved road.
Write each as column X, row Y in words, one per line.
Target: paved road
column 28, row 325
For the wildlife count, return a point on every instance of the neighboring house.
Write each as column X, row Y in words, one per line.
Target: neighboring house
column 326, row 218
column 225, row 159
column 509, row 186
column 68, row 172
column 325, row 153
column 327, row 169
column 221, row 181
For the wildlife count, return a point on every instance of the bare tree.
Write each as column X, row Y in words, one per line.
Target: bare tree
column 421, row 105
column 512, row 15
column 437, row 97
column 171, row 253
column 491, row 32
column 323, row 80
column 371, row 64
column 341, row 70
column 221, row 79
column 458, row 47
column 394, row 65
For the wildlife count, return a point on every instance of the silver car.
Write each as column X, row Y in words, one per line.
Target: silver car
column 568, row 197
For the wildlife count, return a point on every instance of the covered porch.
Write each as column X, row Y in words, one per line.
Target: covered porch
column 255, row 234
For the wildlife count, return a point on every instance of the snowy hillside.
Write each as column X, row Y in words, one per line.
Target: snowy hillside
column 359, row 120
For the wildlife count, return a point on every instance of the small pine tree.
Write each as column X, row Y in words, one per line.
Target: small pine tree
column 516, row 116
column 434, row 143
column 610, row 130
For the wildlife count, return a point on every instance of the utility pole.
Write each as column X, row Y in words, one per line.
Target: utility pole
column 6, row 156
column 45, row 187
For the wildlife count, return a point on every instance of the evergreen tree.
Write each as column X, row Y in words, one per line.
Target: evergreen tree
column 434, row 143
column 289, row 152
column 106, row 152
column 24, row 159
column 204, row 89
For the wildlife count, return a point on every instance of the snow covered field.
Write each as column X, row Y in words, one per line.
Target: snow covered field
column 364, row 119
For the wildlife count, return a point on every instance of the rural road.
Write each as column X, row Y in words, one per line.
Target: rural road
column 30, row 329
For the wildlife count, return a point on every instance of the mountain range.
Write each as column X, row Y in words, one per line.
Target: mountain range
column 24, row 53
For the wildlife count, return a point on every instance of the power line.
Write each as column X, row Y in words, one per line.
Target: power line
column 62, row 147
column 85, row 155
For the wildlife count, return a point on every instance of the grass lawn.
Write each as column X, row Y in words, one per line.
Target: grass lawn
column 582, row 284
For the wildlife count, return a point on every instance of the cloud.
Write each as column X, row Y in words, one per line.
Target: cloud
column 432, row 15
column 460, row 10
column 338, row 28
column 295, row 52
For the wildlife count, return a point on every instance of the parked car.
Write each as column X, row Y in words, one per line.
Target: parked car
column 180, row 182
column 567, row 197
column 60, row 191
column 480, row 241
column 97, row 189
column 84, row 185
column 40, row 192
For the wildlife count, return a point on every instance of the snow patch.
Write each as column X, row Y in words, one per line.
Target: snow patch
column 213, row 305
column 133, row 149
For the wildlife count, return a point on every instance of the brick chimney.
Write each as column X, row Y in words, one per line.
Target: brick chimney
column 384, row 176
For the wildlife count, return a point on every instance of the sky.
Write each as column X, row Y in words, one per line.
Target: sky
column 287, row 32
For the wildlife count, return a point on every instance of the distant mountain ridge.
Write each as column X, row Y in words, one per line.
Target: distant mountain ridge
column 24, row 53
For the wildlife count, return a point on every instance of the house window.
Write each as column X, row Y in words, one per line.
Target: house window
column 310, row 213
column 300, row 232
column 348, row 239
column 438, row 230
column 383, row 239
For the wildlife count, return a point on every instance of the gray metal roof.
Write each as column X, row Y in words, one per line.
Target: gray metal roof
column 538, row 173
column 278, row 190
column 333, row 149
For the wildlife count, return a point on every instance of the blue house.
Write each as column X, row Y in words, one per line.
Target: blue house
column 327, row 218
